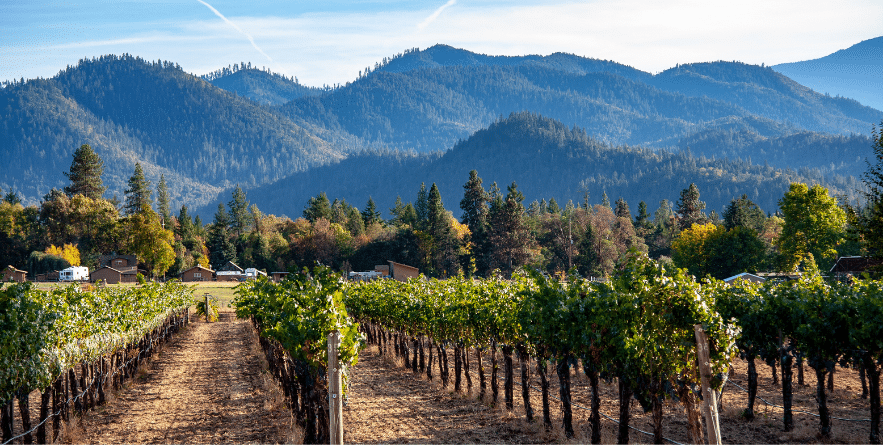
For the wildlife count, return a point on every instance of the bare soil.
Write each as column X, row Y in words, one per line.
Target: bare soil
column 208, row 385
column 390, row 404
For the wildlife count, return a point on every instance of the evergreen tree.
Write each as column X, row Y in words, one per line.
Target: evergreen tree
column 85, row 174
column 690, row 208
column 642, row 222
column 138, row 194
column 509, row 234
column 744, row 213
column 422, row 207
column 544, row 206
column 12, row 198
column 355, row 223
column 318, row 207
column 475, row 215
column 221, row 249
column 569, row 208
column 622, row 209
column 553, row 207
column 184, row 230
column 370, row 215
column 870, row 222
column 163, row 203
column 239, row 212
column 605, row 201
column 444, row 252
column 586, row 261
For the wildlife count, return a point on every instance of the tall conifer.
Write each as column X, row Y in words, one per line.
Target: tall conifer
column 85, row 174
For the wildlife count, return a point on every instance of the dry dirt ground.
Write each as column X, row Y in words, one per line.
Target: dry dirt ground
column 210, row 384
column 207, row 386
column 389, row 404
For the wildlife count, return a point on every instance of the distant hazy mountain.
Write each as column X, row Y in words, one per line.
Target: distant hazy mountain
column 260, row 86
column 426, row 102
column 546, row 158
column 206, row 136
column 855, row 72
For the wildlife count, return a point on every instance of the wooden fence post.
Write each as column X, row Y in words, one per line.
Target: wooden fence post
column 207, row 309
column 335, row 392
column 709, row 397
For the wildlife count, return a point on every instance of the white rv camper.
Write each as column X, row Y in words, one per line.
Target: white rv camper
column 74, row 273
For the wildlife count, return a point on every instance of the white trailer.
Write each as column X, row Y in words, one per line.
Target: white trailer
column 74, row 273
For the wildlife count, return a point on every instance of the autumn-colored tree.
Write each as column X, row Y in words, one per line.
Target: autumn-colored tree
column 690, row 249
column 814, row 223
column 68, row 251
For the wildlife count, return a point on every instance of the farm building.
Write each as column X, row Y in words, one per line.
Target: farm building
column 13, row 274
column 198, row 273
column 118, row 262
column 853, row 266
column 402, row 272
column 110, row 275
column 229, row 272
column 48, row 276
column 744, row 276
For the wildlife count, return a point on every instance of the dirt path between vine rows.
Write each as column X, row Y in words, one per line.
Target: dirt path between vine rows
column 206, row 386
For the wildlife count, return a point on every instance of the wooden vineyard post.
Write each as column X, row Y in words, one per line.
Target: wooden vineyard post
column 709, row 397
column 207, row 309
column 335, row 390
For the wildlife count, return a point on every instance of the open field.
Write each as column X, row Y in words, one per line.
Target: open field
column 222, row 290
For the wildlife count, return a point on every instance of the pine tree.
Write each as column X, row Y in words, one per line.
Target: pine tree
column 690, row 208
column 744, row 213
column 605, row 201
column 185, row 228
column 370, row 215
column 163, row 203
column 509, row 234
column 444, row 252
column 85, row 174
column 475, row 215
column 422, row 207
column 239, row 212
column 138, row 194
column 870, row 222
column 553, row 208
column 622, row 209
column 221, row 250
column 318, row 207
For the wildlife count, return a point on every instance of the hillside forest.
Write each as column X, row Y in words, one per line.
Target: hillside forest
column 498, row 232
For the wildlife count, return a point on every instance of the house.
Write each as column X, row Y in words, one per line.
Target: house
column 744, row 276
column 111, row 275
column 118, row 262
column 13, row 274
column 229, row 272
column 402, row 272
column 48, row 276
column 198, row 273
column 854, row 266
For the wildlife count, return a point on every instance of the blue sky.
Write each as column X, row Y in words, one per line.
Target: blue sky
column 329, row 42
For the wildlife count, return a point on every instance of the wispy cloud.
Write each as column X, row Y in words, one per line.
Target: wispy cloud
column 247, row 35
column 435, row 14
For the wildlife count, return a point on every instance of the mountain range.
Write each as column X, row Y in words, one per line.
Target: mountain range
column 855, row 72
column 408, row 117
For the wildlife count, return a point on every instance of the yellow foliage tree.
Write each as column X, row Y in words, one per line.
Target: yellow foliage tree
column 689, row 248
column 69, row 252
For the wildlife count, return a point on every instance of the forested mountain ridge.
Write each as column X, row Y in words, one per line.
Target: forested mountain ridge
column 852, row 72
column 131, row 110
column 547, row 159
column 260, row 86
